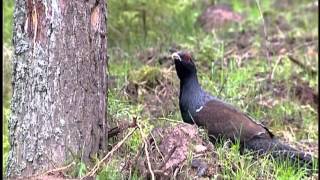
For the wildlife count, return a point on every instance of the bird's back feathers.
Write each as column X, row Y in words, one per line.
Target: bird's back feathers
column 223, row 120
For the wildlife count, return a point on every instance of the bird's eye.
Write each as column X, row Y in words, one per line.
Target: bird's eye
column 186, row 57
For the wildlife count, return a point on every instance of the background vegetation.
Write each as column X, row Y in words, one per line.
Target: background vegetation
column 235, row 62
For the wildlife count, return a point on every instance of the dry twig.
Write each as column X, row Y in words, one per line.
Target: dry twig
column 59, row 169
column 275, row 66
column 170, row 120
column 167, row 157
column 50, row 171
column 147, row 153
column 157, row 147
column 117, row 146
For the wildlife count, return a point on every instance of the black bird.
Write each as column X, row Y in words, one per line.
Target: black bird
column 222, row 120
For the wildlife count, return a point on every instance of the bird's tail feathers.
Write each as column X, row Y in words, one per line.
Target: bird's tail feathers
column 281, row 151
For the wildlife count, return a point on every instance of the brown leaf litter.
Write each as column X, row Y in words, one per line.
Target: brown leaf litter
column 170, row 150
column 153, row 87
column 274, row 31
column 299, row 90
column 217, row 16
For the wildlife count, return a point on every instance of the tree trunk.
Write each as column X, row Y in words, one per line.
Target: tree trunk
column 58, row 107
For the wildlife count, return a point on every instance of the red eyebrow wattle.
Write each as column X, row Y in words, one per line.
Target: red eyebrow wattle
column 187, row 56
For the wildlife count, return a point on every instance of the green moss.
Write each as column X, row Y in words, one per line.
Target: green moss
column 146, row 75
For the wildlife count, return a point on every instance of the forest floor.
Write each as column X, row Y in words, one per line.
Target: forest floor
column 267, row 70
column 267, row 67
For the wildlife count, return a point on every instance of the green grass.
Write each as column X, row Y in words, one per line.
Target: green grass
column 110, row 172
column 238, row 86
column 240, row 83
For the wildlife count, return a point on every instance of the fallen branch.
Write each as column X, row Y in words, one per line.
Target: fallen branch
column 116, row 130
column 170, row 120
column 50, row 171
column 113, row 132
column 175, row 173
column 297, row 62
column 167, row 157
column 59, row 169
column 117, row 146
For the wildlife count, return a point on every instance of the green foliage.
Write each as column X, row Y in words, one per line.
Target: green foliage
column 236, row 166
column 109, row 172
column 8, row 6
column 80, row 170
column 285, row 171
column 140, row 23
column 6, row 95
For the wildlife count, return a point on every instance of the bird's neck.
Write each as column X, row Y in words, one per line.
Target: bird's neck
column 190, row 92
column 190, row 82
column 189, row 89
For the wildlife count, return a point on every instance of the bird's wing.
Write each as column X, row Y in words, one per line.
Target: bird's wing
column 222, row 119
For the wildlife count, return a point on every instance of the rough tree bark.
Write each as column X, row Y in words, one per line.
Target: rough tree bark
column 58, row 106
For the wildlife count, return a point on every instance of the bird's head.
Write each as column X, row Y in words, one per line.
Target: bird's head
column 185, row 66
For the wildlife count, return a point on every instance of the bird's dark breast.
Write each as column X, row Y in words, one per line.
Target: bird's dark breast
column 190, row 100
column 186, row 112
column 222, row 120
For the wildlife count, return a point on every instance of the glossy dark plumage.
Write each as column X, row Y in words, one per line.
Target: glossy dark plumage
column 222, row 119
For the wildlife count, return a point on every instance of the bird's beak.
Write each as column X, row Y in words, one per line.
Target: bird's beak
column 175, row 56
